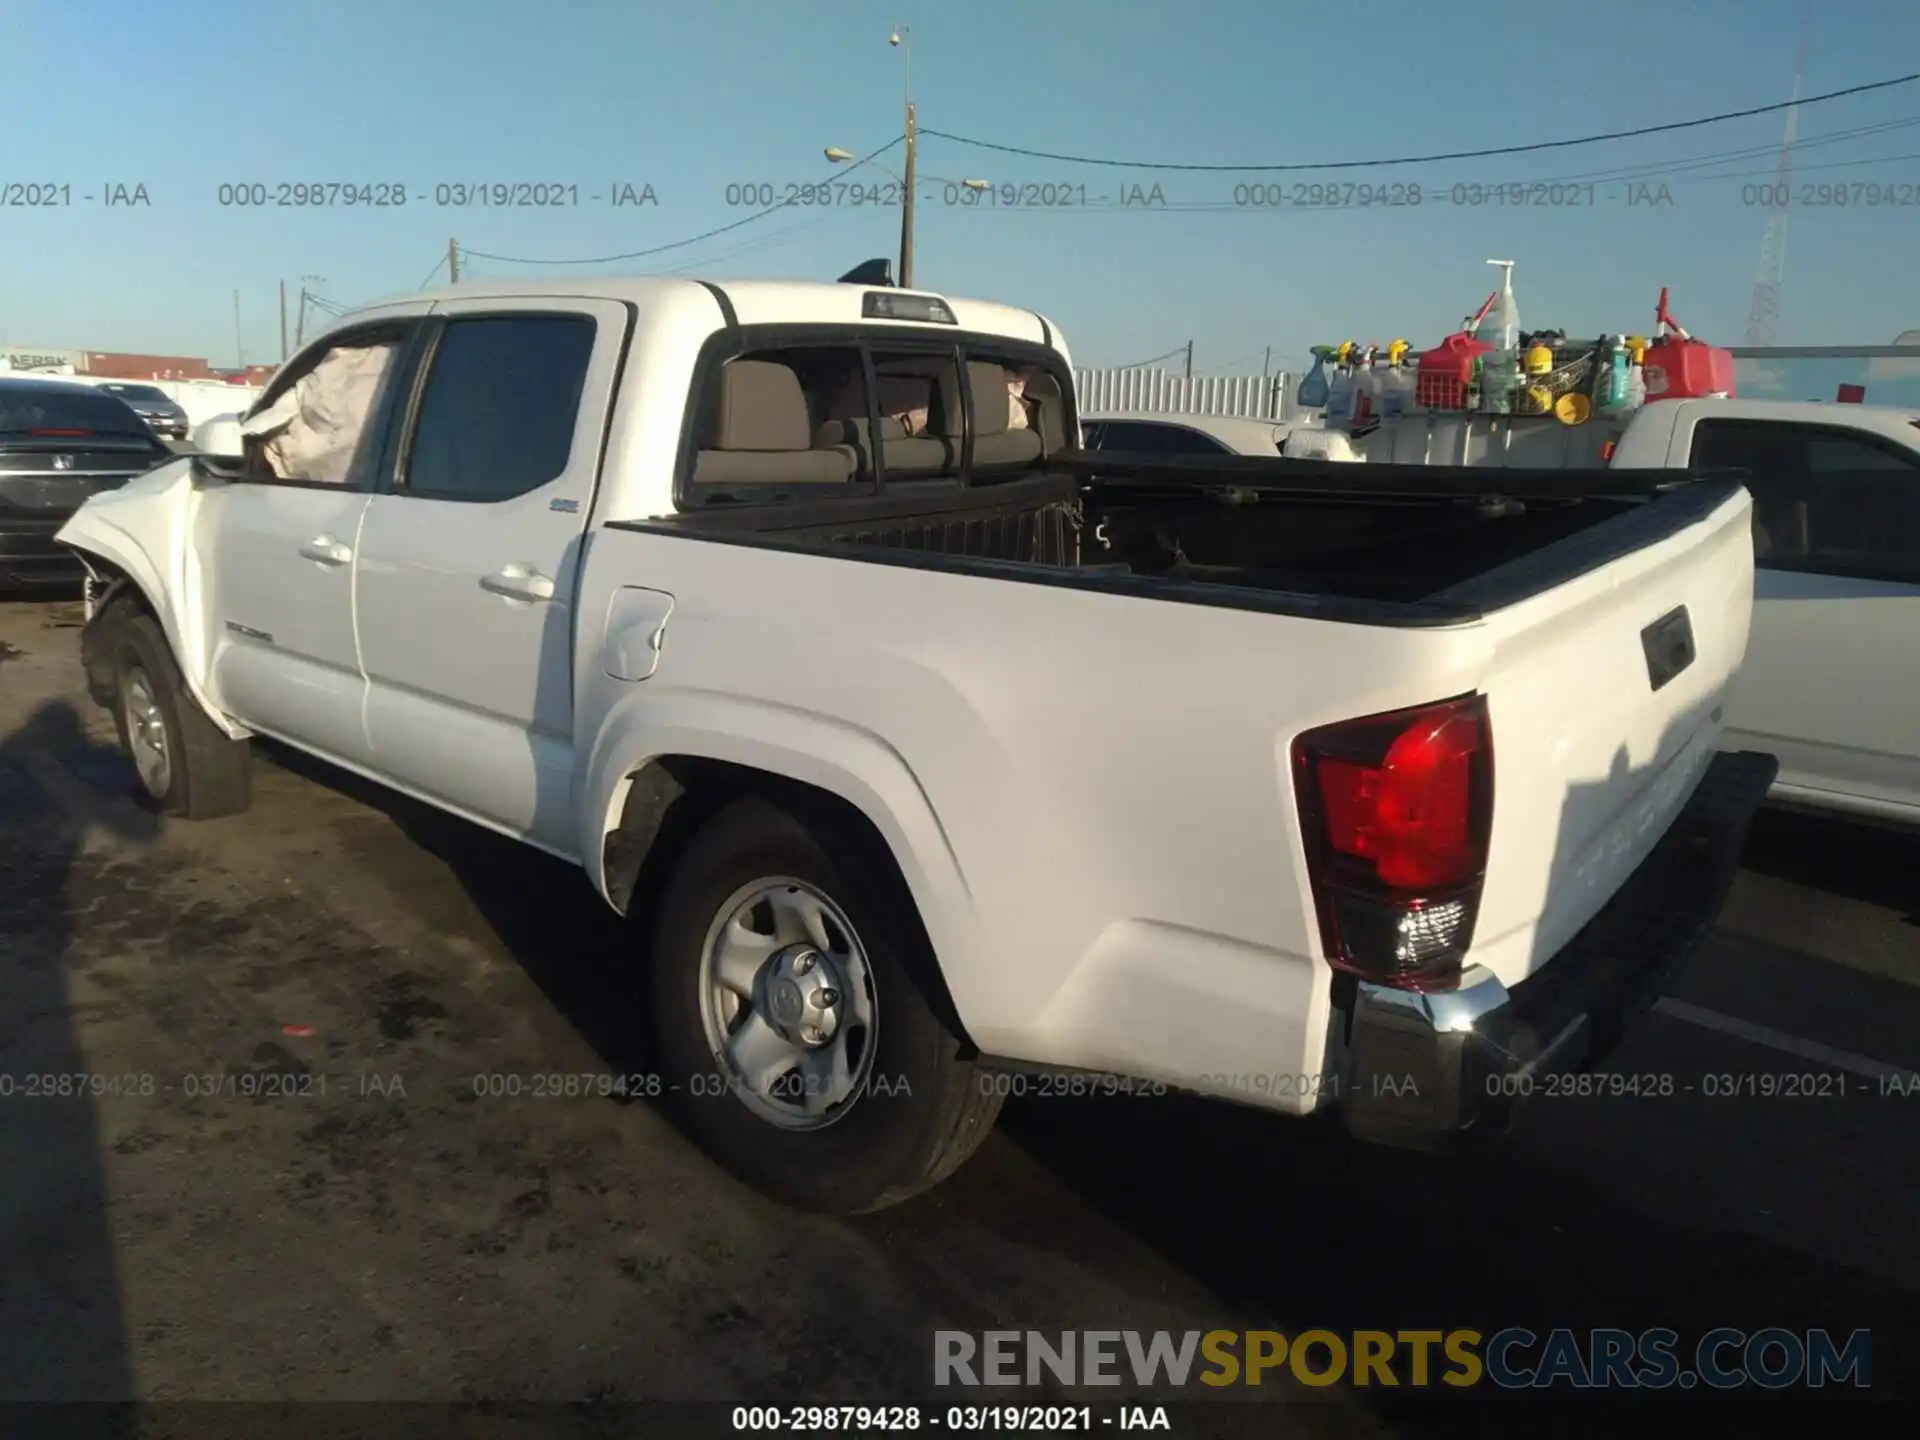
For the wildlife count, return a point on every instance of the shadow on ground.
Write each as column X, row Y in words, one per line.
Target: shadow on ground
column 61, row 1325
column 1876, row 864
column 569, row 943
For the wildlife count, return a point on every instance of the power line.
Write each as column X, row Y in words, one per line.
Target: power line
column 677, row 244
column 1142, row 364
column 438, row 266
column 1652, row 171
column 1537, row 145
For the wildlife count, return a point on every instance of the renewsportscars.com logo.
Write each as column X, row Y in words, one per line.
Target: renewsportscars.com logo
column 1511, row 1359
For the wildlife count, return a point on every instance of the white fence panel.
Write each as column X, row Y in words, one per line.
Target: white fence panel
column 1254, row 397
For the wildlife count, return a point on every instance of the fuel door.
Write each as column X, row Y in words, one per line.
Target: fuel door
column 636, row 631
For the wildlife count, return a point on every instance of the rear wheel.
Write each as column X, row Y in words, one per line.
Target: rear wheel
column 796, row 1020
column 185, row 764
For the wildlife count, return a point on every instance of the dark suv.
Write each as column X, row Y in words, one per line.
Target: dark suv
column 60, row 445
column 153, row 405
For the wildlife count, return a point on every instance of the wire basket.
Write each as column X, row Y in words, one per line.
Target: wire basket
column 1537, row 393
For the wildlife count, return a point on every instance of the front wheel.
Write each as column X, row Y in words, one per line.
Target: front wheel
column 185, row 764
column 796, row 1020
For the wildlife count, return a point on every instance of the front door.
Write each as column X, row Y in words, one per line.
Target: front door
column 469, row 556
column 277, row 546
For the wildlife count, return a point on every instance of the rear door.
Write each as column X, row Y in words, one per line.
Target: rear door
column 1830, row 680
column 469, row 556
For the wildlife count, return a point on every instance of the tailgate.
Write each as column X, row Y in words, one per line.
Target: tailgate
column 1605, row 698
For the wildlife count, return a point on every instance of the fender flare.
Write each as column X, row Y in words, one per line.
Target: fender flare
column 99, row 539
column 814, row 749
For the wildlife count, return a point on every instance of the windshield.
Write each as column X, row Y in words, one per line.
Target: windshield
column 56, row 410
column 145, row 394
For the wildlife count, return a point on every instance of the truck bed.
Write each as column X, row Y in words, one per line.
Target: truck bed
column 1387, row 544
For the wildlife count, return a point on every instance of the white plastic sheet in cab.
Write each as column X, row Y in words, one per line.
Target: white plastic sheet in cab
column 317, row 423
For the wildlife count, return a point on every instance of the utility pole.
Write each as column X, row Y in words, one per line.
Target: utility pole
column 239, row 351
column 906, row 209
column 1189, row 359
column 453, row 261
column 283, row 322
column 300, row 331
column 904, row 40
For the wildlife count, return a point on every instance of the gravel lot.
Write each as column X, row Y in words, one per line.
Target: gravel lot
column 399, row 1237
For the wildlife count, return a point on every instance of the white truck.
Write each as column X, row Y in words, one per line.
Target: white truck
column 923, row 754
column 1828, row 686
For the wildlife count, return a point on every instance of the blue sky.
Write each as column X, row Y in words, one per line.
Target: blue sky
column 689, row 99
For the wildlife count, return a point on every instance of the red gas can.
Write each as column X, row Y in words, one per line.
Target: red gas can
column 1687, row 369
column 1679, row 367
column 1442, row 379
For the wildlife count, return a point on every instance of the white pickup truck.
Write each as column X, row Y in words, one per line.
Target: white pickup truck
column 923, row 752
column 1829, row 685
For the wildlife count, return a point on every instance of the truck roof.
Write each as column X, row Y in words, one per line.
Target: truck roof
column 754, row 302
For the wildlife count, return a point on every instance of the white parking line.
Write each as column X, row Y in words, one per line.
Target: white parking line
column 1779, row 1040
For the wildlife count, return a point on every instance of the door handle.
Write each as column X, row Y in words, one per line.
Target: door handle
column 518, row 582
column 327, row 550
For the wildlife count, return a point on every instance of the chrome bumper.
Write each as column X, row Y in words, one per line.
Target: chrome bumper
column 1421, row 1070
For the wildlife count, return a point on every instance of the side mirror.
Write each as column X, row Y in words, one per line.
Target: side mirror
column 220, row 439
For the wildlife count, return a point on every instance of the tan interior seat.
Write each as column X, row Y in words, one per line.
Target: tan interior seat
column 758, row 432
column 904, row 455
column 995, row 446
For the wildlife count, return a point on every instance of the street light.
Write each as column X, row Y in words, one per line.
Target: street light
column 841, row 157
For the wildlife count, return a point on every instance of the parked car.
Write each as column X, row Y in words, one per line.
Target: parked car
column 164, row 415
column 61, row 443
column 1152, row 433
column 917, row 755
column 1827, row 686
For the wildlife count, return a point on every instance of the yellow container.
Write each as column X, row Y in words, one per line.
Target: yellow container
column 1573, row 408
column 1540, row 360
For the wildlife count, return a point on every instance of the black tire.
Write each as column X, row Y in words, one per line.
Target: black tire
column 927, row 1106
column 207, row 772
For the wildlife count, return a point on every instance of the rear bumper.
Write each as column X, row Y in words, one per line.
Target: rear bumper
column 1422, row 1069
column 30, row 557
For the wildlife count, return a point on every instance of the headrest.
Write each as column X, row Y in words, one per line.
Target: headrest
column 854, row 432
column 760, row 406
column 990, row 400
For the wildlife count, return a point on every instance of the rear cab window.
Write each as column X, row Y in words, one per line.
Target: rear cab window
column 795, row 412
column 1826, row 500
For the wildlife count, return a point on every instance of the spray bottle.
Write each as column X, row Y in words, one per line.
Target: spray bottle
column 1366, row 387
column 1636, row 374
column 1312, row 393
column 1340, row 394
column 1501, row 329
column 1397, row 385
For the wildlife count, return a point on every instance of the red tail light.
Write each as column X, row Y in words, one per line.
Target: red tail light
column 50, row 432
column 1397, row 810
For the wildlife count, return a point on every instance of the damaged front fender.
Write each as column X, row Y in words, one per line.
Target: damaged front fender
column 142, row 535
